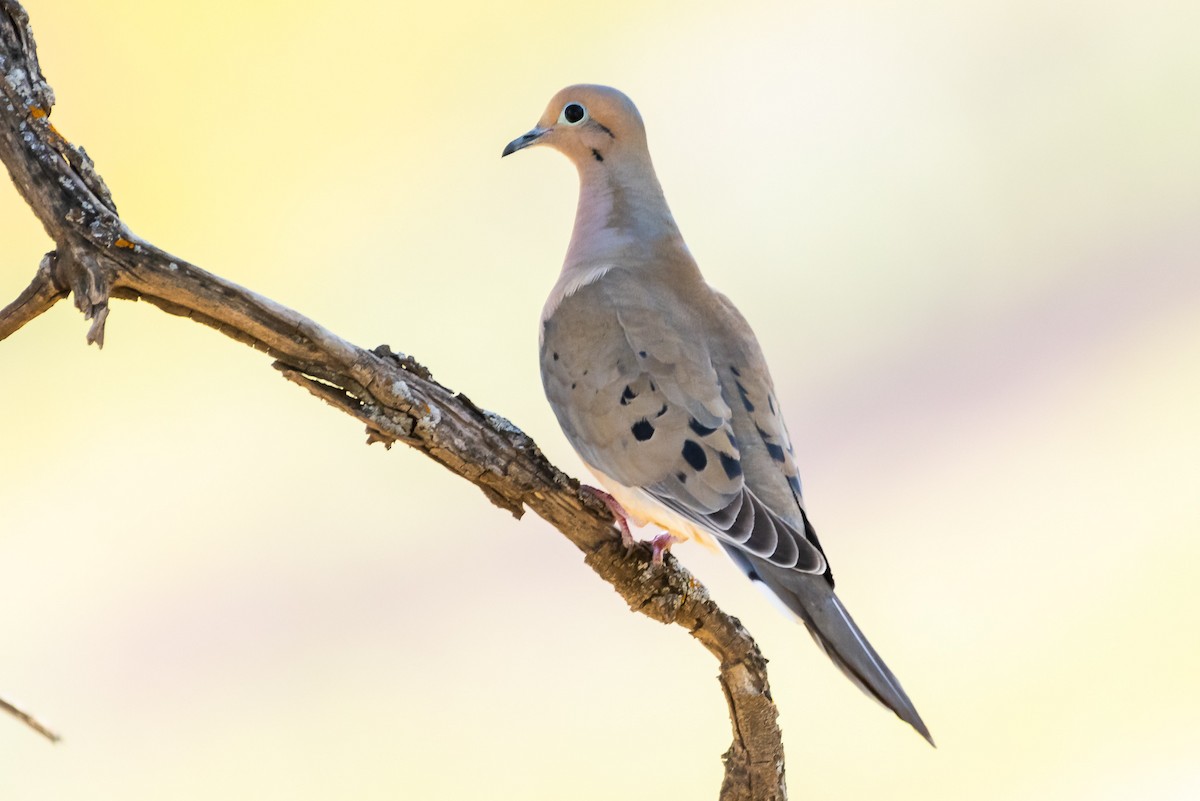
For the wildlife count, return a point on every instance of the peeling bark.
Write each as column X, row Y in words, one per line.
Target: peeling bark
column 97, row 258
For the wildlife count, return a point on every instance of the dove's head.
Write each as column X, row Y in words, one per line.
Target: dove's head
column 589, row 124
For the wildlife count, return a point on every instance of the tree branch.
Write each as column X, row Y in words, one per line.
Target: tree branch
column 97, row 258
column 29, row 720
column 42, row 293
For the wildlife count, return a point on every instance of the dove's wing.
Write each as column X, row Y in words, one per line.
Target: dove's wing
column 646, row 400
column 660, row 385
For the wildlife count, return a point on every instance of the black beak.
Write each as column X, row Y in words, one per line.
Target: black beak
column 524, row 140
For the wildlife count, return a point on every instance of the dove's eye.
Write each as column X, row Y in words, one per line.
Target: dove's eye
column 573, row 114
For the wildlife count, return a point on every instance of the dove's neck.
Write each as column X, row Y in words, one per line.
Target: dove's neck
column 622, row 214
column 622, row 220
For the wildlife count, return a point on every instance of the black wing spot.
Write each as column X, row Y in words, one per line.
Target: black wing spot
column 627, row 395
column 682, row 477
column 702, row 430
column 642, row 430
column 661, row 412
column 745, row 400
column 555, row 355
column 572, row 385
column 694, row 455
column 733, row 468
column 774, row 450
column 735, row 371
column 771, row 403
column 794, row 483
column 596, row 153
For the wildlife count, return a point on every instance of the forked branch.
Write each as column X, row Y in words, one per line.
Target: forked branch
column 97, row 258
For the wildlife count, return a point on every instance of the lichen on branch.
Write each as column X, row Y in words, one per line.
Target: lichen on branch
column 97, row 259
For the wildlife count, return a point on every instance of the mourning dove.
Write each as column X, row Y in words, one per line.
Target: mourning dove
column 661, row 387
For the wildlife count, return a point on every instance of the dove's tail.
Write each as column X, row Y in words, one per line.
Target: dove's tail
column 812, row 599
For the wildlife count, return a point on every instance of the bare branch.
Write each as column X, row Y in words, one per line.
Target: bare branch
column 98, row 258
column 42, row 293
column 29, row 720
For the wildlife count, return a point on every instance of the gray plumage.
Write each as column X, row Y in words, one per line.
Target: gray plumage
column 660, row 386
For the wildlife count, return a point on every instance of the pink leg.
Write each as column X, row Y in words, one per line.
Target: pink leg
column 662, row 543
column 618, row 512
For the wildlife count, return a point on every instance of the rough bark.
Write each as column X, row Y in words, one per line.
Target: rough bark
column 98, row 258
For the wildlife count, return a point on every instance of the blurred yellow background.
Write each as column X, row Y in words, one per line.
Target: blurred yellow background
column 967, row 235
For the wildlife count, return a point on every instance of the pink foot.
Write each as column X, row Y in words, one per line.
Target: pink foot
column 620, row 517
column 661, row 544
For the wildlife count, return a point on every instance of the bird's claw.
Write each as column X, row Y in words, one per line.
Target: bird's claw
column 620, row 516
column 661, row 544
